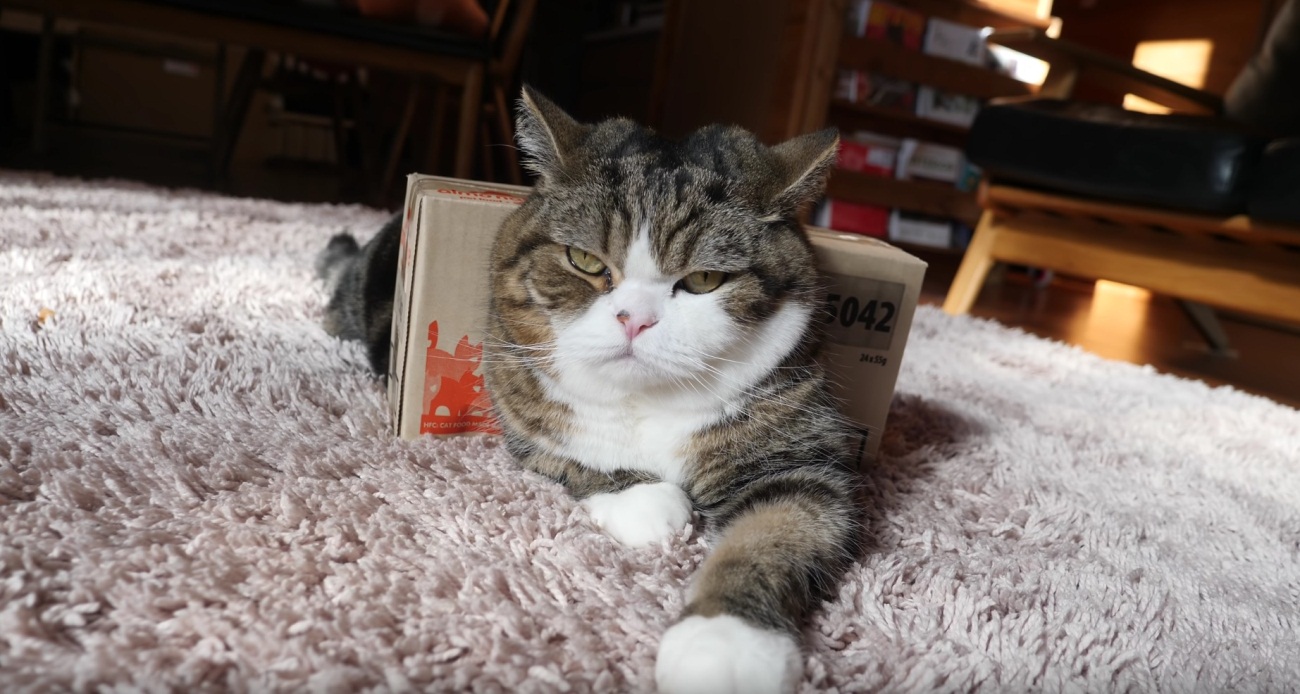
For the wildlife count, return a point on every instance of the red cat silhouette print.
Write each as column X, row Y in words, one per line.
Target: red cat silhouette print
column 455, row 400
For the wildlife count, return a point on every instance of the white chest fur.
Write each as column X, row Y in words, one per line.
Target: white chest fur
column 635, row 433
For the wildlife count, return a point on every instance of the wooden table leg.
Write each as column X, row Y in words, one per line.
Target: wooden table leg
column 226, row 130
column 216, row 177
column 471, row 98
column 437, row 131
column 399, row 139
column 43, row 69
column 514, row 174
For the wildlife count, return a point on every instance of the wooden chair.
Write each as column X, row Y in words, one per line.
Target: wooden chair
column 456, row 65
column 1226, row 260
column 507, row 33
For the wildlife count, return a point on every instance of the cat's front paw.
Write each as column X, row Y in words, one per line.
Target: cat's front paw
column 642, row 514
column 725, row 655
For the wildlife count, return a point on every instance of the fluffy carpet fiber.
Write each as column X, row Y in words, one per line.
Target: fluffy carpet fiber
column 198, row 492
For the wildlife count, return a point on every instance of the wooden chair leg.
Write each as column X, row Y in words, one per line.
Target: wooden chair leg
column 471, row 97
column 367, row 138
column 437, row 131
column 975, row 266
column 507, row 134
column 218, row 109
column 339, row 119
column 399, row 139
column 226, row 130
column 44, row 70
column 489, row 163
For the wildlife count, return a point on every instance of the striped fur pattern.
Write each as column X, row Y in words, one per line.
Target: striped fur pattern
column 362, row 280
column 612, row 374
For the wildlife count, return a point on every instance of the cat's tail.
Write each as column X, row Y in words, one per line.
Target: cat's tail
column 335, row 256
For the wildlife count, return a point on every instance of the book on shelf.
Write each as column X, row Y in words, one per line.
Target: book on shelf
column 945, row 39
column 920, row 230
column 841, row 215
column 929, row 161
column 944, row 107
column 883, row 21
column 869, row 153
column 871, row 89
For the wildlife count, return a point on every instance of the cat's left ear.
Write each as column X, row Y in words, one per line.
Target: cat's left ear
column 546, row 134
column 804, row 163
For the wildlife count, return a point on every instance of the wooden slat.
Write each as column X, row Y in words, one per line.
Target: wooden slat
column 973, row 13
column 925, row 197
column 177, row 21
column 1239, row 227
column 891, row 59
column 1227, row 275
column 848, row 117
column 1109, row 70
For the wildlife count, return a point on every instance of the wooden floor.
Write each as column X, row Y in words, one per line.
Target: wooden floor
column 1129, row 324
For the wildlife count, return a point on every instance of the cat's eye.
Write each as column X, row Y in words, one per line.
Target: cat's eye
column 585, row 262
column 703, row 282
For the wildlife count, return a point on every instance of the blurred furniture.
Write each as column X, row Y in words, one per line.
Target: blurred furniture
column 950, row 76
column 775, row 75
column 471, row 69
column 1204, row 208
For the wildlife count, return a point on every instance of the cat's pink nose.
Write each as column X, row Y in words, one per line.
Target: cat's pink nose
column 634, row 325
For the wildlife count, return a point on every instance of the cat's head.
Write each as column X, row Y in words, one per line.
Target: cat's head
column 642, row 263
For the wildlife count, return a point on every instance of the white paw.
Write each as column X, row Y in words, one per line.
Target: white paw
column 725, row 655
column 642, row 514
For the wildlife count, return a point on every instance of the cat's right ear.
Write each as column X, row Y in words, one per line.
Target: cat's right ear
column 546, row 134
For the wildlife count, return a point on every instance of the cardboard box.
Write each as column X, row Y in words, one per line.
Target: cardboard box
column 872, row 290
column 435, row 380
column 955, row 41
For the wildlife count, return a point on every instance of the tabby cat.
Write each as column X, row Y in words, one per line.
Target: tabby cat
column 362, row 282
column 651, row 343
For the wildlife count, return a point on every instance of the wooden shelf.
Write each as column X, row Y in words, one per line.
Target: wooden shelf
column 943, row 74
column 849, row 117
column 974, row 13
column 886, row 58
column 924, row 197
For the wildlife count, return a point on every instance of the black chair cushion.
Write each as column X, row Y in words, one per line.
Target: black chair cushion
column 1275, row 195
column 1182, row 162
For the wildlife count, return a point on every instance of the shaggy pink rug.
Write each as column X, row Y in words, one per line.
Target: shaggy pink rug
column 198, row 493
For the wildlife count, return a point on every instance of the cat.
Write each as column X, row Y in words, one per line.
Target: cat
column 651, row 345
column 362, row 281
